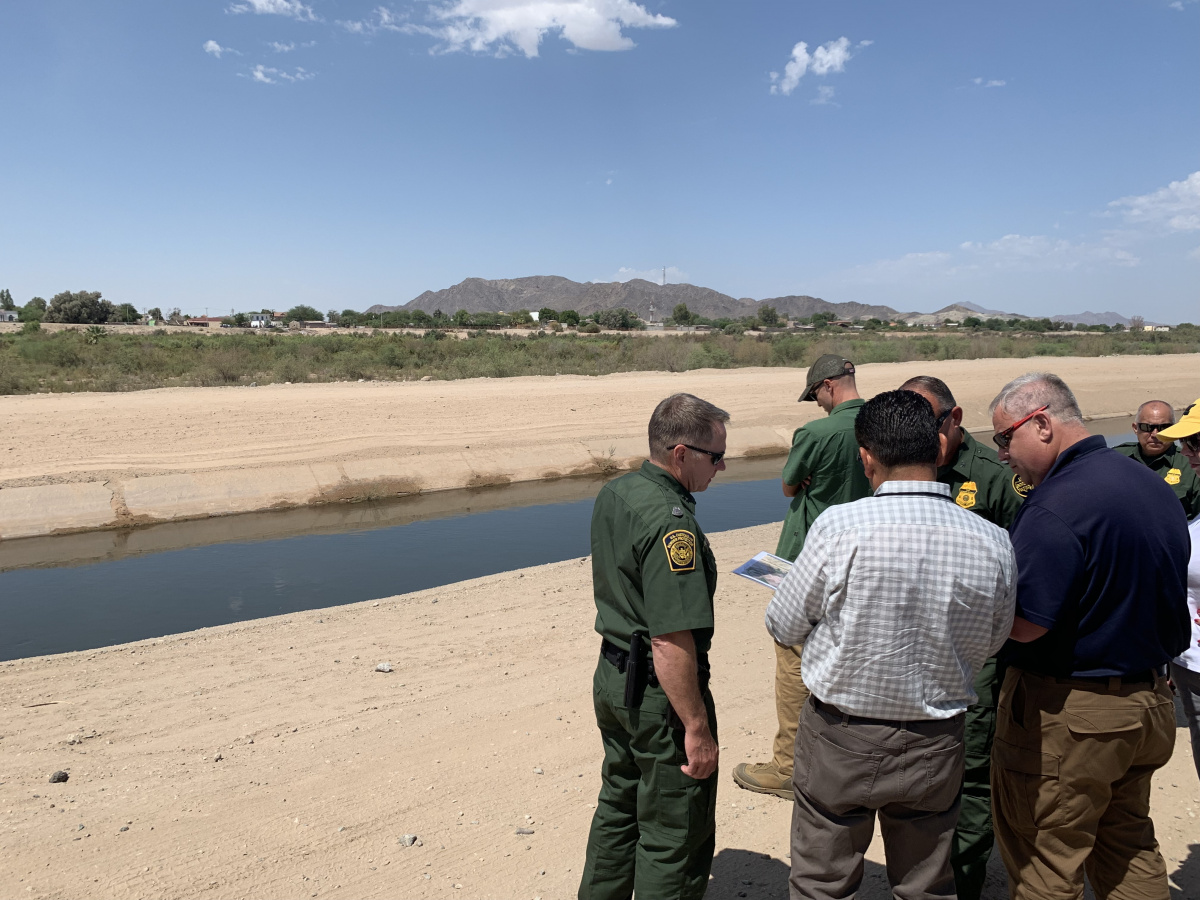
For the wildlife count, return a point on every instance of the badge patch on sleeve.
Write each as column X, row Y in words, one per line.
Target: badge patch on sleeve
column 966, row 495
column 681, row 550
column 1022, row 488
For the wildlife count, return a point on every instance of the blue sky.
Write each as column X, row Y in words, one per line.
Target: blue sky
column 1030, row 156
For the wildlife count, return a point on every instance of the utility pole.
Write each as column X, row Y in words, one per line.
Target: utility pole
column 664, row 276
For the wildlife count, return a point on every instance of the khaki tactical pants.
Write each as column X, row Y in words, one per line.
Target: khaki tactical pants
column 654, row 831
column 790, row 697
column 1071, row 770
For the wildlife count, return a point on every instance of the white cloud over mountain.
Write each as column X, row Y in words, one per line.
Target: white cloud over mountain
column 1173, row 208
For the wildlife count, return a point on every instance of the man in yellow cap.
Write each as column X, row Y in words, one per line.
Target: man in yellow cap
column 1185, row 668
column 1161, row 455
column 822, row 469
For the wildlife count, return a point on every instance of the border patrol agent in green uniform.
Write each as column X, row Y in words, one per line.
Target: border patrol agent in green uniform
column 654, row 579
column 822, row 469
column 1161, row 456
column 981, row 483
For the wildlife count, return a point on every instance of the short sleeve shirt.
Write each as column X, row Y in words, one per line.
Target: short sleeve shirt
column 1102, row 553
column 826, row 450
column 1173, row 468
column 979, row 482
column 652, row 567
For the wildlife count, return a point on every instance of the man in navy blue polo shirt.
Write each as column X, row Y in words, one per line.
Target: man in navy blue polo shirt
column 1085, row 715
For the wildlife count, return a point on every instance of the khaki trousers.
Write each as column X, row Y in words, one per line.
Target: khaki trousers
column 790, row 697
column 847, row 770
column 1071, row 770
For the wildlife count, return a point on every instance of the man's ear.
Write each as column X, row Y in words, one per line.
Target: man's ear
column 868, row 462
column 956, row 415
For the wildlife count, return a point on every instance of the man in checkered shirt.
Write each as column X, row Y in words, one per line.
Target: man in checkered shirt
column 899, row 599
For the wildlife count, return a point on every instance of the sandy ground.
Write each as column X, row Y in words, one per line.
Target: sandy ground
column 268, row 759
column 79, row 461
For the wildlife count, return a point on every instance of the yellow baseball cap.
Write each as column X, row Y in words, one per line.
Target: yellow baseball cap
column 1185, row 427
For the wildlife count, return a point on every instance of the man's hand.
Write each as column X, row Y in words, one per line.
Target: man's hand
column 702, row 752
column 791, row 490
column 1024, row 631
column 675, row 666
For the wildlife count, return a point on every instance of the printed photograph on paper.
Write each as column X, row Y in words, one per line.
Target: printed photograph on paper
column 765, row 568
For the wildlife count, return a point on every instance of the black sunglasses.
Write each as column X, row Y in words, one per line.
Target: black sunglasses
column 711, row 454
column 1192, row 442
column 1151, row 427
column 938, row 422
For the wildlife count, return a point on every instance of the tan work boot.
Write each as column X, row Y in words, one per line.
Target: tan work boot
column 763, row 778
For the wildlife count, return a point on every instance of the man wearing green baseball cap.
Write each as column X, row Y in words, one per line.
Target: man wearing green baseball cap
column 822, row 469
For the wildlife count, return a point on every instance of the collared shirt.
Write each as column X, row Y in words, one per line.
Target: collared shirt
column 981, row 483
column 652, row 567
column 1173, row 468
column 1102, row 552
column 1190, row 658
column 826, row 450
column 898, row 599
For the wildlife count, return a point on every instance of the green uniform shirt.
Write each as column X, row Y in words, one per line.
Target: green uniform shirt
column 827, row 450
column 981, row 483
column 652, row 567
column 1175, row 470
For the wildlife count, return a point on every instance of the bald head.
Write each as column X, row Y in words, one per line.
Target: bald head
column 1153, row 412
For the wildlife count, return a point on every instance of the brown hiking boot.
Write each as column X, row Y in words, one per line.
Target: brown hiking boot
column 763, row 778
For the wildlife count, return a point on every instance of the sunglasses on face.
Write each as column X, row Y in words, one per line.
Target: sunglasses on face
column 711, row 454
column 940, row 420
column 1151, row 427
column 1192, row 442
column 1004, row 438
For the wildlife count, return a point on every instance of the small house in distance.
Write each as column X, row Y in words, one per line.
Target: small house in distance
column 262, row 320
column 8, row 315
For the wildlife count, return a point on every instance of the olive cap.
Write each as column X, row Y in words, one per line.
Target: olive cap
column 828, row 366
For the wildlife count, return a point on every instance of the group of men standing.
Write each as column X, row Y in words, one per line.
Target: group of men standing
column 918, row 554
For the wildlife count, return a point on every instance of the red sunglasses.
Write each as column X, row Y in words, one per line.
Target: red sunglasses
column 1004, row 438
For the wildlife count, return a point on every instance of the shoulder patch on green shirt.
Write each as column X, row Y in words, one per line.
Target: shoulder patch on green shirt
column 1021, row 488
column 681, row 550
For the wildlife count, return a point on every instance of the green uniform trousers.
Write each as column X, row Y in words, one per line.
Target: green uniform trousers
column 654, row 832
column 973, row 838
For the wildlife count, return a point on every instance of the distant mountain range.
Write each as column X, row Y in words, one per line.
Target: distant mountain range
column 655, row 302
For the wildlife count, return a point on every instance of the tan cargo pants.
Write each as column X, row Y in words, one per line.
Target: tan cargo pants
column 790, row 697
column 1071, row 770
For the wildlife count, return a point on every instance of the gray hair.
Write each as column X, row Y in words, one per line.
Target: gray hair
column 934, row 387
column 1031, row 391
column 1170, row 409
column 682, row 419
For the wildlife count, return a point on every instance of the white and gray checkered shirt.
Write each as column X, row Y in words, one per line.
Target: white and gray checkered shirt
column 898, row 599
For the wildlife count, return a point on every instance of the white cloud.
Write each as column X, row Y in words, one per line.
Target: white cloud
column 269, row 75
column 293, row 9
column 1173, row 208
column 381, row 19
column 504, row 26
column 990, row 83
column 280, row 47
column 827, row 58
column 674, row 275
column 824, row 96
column 1038, row 252
column 216, row 49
